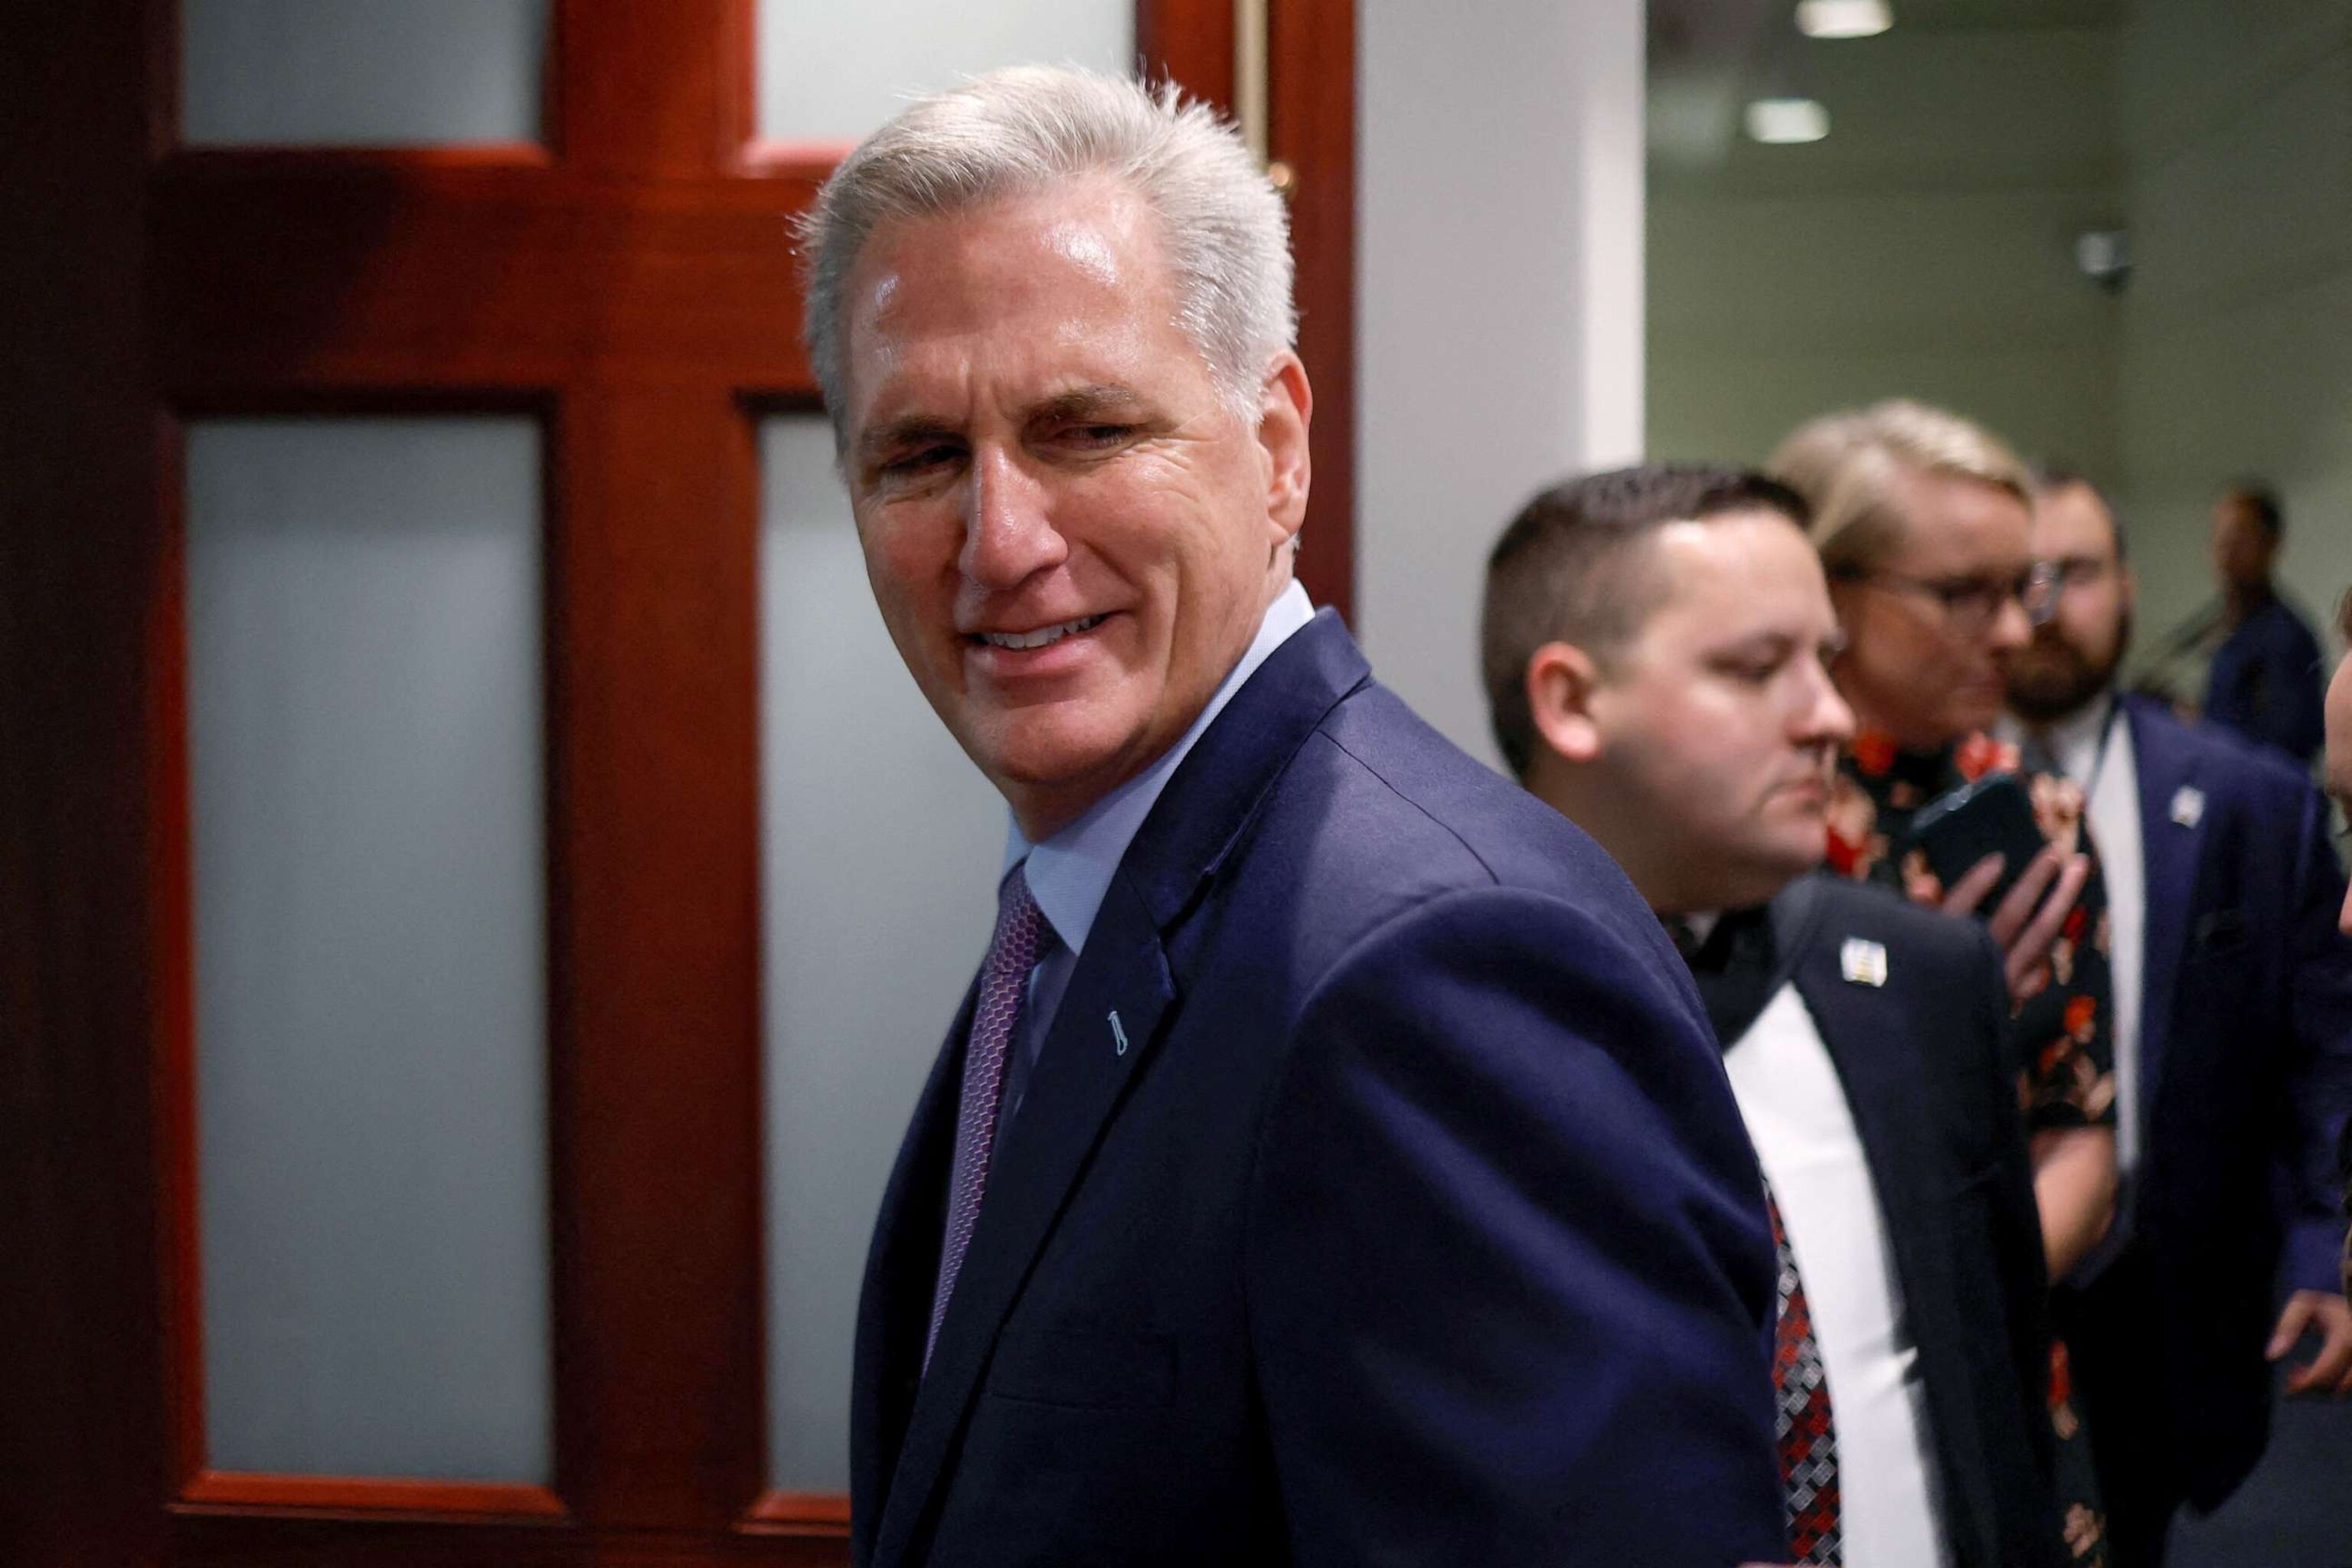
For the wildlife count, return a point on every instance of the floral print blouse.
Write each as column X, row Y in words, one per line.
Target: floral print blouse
column 2060, row 1037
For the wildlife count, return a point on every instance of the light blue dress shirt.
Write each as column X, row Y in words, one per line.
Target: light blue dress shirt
column 1070, row 872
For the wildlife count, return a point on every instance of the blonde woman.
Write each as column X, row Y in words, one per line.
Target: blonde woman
column 1924, row 523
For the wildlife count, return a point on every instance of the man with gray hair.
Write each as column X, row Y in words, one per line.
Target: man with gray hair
column 1331, row 1162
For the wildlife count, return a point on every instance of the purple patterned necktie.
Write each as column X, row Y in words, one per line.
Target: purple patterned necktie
column 1003, row 985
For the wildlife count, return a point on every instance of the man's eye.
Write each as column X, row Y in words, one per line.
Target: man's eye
column 1097, row 435
column 918, row 460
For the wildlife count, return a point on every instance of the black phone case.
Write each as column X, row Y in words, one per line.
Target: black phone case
column 1992, row 816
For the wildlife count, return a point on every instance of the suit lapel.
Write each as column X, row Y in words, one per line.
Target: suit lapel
column 1872, row 1042
column 2170, row 849
column 1083, row 1072
column 901, row 1269
column 1079, row 1077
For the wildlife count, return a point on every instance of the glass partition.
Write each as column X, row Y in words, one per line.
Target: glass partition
column 831, row 73
column 309, row 73
column 363, row 678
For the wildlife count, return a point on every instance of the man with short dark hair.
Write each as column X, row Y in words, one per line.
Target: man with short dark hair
column 2264, row 678
column 1330, row 1163
column 1655, row 643
column 2233, row 1054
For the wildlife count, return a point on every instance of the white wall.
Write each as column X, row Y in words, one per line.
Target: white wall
column 1925, row 248
column 2237, row 339
column 1499, row 298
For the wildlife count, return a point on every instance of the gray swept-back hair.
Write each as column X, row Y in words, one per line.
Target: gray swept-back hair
column 1027, row 128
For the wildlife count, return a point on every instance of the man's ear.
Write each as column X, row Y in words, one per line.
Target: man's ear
column 1562, row 680
column 2130, row 586
column 1286, row 407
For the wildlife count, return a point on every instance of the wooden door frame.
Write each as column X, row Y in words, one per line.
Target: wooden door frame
column 125, row 299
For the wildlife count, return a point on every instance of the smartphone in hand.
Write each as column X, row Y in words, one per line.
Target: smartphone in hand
column 1991, row 815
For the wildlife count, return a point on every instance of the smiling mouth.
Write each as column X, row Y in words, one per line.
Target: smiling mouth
column 1043, row 637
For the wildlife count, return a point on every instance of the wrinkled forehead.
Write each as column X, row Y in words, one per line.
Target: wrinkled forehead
column 1090, row 234
column 1074, row 271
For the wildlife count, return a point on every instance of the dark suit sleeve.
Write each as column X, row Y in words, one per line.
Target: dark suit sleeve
column 1509, row 1278
column 2320, row 1087
column 2018, row 1259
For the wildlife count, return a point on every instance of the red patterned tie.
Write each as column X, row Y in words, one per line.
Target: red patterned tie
column 1808, row 1437
column 1003, row 985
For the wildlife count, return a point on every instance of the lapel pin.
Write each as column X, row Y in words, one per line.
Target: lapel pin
column 2187, row 805
column 1118, row 1035
column 1864, row 962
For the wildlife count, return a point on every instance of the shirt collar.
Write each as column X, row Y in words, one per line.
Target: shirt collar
column 1070, row 872
column 2075, row 740
column 1702, row 923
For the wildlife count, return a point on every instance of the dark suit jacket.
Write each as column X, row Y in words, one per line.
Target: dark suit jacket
column 1417, row 1225
column 2245, row 1073
column 1921, row 1060
column 2267, row 683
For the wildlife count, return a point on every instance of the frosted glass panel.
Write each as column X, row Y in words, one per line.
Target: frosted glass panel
column 364, row 733
column 831, row 72
column 883, row 845
column 366, row 73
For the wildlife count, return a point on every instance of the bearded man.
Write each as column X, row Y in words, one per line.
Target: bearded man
column 2233, row 1054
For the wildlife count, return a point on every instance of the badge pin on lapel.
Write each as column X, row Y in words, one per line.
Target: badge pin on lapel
column 1118, row 1035
column 2187, row 805
column 1863, row 962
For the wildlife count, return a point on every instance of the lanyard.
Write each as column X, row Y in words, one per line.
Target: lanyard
column 2099, row 755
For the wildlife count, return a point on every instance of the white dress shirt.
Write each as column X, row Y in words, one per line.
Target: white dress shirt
column 1795, row 1107
column 1070, row 872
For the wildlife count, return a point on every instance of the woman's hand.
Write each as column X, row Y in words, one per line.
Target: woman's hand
column 2024, row 933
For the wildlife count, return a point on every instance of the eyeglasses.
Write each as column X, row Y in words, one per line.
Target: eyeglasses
column 1972, row 604
column 2076, row 571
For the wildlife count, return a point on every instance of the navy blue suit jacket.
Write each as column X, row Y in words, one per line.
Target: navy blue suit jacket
column 1922, row 1059
column 2266, row 683
column 1416, row 1223
column 2245, row 1071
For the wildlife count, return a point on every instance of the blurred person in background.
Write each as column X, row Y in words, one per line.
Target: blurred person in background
column 1924, row 526
column 1655, row 648
column 2264, row 678
column 2232, row 1046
